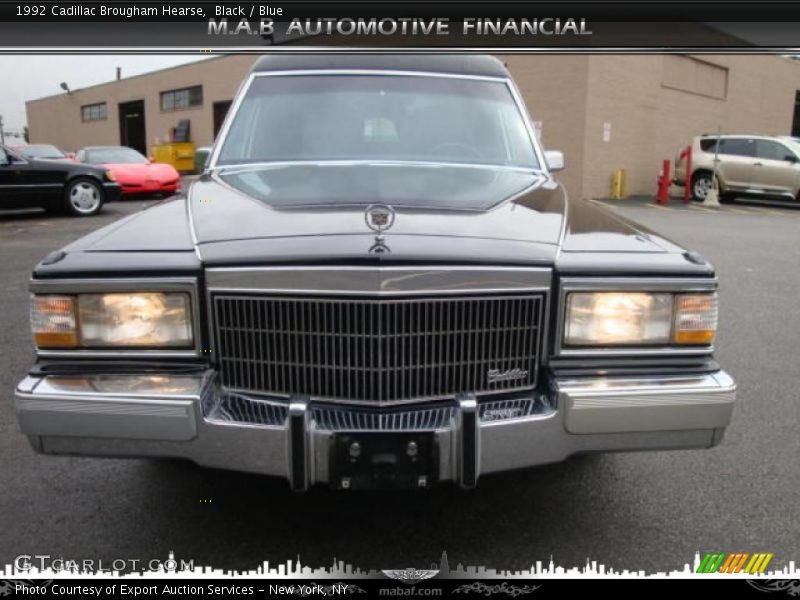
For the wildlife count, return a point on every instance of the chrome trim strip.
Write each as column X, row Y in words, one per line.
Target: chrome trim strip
column 145, row 284
column 211, row 162
column 384, row 72
column 639, row 284
column 380, row 281
column 768, row 193
column 247, row 167
column 526, row 118
column 33, row 185
column 192, row 228
column 55, row 385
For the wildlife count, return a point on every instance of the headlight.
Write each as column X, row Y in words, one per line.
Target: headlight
column 134, row 320
column 639, row 318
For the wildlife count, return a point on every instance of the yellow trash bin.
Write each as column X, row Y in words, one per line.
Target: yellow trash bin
column 178, row 154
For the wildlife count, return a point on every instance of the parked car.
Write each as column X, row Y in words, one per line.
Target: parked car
column 43, row 151
column 376, row 282
column 81, row 190
column 137, row 174
column 748, row 165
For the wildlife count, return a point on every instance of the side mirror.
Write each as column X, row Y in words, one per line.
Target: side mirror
column 790, row 158
column 554, row 159
column 151, row 160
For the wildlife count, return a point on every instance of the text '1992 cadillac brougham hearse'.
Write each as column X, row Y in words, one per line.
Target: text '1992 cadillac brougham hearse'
column 377, row 282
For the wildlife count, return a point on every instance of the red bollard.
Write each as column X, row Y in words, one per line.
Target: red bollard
column 687, row 184
column 663, row 184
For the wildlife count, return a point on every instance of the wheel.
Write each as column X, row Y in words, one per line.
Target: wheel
column 701, row 183
column 83, row 197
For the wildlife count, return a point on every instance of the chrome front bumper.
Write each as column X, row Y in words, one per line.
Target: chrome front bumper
column 189, row 416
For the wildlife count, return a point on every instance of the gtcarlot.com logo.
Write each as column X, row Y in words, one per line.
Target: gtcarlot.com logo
column 26, row 563
column 737, row 562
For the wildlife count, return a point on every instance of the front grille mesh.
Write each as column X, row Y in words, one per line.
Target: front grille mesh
column 377, row 351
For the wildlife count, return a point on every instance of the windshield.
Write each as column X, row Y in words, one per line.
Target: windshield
column 99, row 156
column 41, row 152
column 378, row 118
column 793, row 143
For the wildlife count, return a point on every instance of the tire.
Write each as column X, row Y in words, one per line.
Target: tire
column 83, row 197
column 701, row 183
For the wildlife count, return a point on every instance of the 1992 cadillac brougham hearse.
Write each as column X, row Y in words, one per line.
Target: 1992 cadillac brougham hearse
column 377, row 282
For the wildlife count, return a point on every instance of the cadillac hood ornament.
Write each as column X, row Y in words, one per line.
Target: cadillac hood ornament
column 379, row 217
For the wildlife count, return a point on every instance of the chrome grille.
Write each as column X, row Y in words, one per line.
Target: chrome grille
column 377, row 350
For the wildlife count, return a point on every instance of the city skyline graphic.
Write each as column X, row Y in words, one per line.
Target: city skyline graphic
column 338, row 569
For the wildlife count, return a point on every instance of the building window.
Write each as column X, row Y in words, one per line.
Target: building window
column 94, row 112
column 183, row 98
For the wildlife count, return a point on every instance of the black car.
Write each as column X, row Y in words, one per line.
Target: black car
column 54, row 185
column 376, row 282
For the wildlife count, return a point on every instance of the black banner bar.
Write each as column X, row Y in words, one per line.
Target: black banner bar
column 230, row 25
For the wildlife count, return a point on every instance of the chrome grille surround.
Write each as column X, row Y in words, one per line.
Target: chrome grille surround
column 428, row 418
column 244, row 410
column 377, row 351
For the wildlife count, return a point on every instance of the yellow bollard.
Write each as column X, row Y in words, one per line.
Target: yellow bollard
column 619, row 184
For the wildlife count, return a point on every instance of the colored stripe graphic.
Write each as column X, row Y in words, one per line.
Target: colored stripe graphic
column 720, row 562
column 758, row 564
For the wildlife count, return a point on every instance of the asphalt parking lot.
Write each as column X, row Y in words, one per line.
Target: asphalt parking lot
column 649, row 511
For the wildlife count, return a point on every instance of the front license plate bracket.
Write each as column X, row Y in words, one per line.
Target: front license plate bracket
column 374, row 460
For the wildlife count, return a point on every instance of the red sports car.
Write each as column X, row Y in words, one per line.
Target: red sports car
column 137, row 174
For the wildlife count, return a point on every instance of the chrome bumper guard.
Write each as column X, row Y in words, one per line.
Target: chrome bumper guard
column 189, row 416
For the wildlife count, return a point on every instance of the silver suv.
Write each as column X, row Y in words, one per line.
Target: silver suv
column 748, row 165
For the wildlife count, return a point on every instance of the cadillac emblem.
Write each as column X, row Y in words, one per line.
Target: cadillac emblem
column 410, row 576
column 379, row 217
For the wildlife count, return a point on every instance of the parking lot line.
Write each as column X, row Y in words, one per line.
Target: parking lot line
column 703, row 209
column 758, row 210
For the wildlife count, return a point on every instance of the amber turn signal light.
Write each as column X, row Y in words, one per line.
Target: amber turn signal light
column 695, row 319
column 53, row 322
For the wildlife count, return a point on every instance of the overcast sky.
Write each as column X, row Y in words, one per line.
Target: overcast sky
column 28, row 77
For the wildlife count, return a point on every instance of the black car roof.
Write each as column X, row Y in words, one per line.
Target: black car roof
column 482, row 65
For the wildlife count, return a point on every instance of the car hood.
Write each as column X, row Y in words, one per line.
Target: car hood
column 140, row 172
column 317, row 213
column 317, row 216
